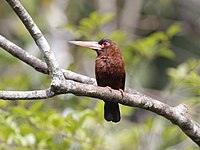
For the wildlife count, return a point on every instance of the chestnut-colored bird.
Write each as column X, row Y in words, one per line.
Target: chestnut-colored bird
column 109, row 70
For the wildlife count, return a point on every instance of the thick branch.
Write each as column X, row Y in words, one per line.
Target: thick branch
column 177, row 115
column 39, row 39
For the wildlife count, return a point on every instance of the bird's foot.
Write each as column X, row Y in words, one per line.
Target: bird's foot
column 109, row 88
column 122, row 92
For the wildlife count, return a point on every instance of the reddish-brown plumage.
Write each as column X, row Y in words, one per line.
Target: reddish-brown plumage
column 109, row 70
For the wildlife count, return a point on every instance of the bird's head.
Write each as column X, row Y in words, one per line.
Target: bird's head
column 103, row 47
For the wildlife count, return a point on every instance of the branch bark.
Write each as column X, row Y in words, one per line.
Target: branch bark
column 177, row 115
column 27, row 95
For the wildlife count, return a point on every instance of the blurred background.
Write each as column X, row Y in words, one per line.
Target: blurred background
column 159, row 40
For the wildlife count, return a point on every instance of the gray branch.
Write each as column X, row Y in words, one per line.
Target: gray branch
column 26, row 95
column 177, row 115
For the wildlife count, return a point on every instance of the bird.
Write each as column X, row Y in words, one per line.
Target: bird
column 109, row 72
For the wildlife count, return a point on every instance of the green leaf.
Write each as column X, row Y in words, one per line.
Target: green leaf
column 26, row 129
column 173, row 30
column 20, row 111
column 36, row 106
column 106, row 18
column 167, row 53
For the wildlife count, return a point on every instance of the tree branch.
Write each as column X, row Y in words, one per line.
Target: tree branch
column 26, row 95
column 177, row 115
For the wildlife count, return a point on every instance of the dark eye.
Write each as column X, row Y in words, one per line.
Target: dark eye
column 105, row 44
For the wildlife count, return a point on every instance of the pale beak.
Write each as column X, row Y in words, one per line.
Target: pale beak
column 88, row 44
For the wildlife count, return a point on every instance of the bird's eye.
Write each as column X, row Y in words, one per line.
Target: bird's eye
column 105, row 44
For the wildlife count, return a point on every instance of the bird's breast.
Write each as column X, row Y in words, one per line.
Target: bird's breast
column 108, row 66
column 109, row 71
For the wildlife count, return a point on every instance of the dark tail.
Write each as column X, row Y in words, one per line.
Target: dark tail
column 111, row 112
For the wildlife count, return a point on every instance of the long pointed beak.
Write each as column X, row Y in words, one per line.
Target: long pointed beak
column 88, row 44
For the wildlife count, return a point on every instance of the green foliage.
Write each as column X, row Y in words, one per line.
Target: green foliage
column 30, row 126
column 89, row 28
column 172, row 136
column 173, row 30
column 185, row 79
column 186, row 75
column 155, row 45
column 152, row 46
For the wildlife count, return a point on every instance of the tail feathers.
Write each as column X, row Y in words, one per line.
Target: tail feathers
column 112, row 112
